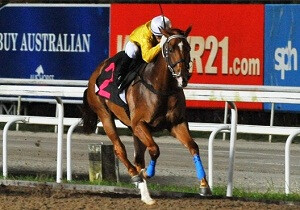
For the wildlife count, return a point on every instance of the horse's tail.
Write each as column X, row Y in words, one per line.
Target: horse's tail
column 89, row 117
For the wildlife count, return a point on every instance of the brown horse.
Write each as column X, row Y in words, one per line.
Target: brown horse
column 156, row 101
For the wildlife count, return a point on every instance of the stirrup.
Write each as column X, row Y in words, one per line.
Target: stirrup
column 120, row 80
column 121, row 86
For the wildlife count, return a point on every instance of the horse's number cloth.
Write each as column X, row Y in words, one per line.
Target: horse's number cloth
column 106, row 82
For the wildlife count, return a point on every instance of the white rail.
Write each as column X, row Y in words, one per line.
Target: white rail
column 39, row 88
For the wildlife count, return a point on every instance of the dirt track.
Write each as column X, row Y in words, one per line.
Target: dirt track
column 13, row 198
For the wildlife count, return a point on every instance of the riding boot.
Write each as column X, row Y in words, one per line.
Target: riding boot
column 123, row 68
column 131, row 74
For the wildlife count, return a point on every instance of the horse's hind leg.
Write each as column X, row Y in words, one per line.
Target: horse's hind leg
column 119, row 148
column 139, row 154
column 139, row 160
column 181, row 132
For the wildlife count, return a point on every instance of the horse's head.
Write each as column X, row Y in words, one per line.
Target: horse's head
column 176, row 51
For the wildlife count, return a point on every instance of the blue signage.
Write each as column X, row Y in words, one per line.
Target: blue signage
column 282, row 43
column 52, row 41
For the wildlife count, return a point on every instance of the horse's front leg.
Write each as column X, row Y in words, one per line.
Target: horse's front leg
column 145, row 141
column 182, row 133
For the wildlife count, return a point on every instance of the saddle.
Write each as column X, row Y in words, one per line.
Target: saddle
column 107, row 82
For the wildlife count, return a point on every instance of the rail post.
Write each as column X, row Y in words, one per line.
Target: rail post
column 211, row 151
column 4, row 146
column 60, row 130
column 233, row 131
column 69, row 149
column 287, row 161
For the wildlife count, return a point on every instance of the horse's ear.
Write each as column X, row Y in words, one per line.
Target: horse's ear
column 164, row 32
column 188, row 30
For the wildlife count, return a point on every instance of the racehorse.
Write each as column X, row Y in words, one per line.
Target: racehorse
column 156, row 102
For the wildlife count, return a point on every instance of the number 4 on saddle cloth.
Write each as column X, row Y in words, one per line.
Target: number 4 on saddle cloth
column 118, row 67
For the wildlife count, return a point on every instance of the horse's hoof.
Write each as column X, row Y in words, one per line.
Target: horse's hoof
column 136, row 179
column 149, row 201
column 205, row 191
column 204, row 188
column 143, row 174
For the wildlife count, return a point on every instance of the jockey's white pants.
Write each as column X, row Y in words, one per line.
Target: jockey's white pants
column 132, row 50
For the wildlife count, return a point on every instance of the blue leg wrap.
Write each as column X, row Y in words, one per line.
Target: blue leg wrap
column 199, row 167
column 151, row 168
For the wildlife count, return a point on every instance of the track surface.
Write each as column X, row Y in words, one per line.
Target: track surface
column 258, row 167
column 12, row 198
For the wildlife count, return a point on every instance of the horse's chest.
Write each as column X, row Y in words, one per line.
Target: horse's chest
column 167, row 112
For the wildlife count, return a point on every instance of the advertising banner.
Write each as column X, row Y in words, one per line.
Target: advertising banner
column 226, row 40
column 52, row 41
column 282, row 44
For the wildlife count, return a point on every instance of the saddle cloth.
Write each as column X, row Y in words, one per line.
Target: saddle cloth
column 107, row 81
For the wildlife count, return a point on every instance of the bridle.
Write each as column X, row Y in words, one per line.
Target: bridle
column 166, row 55
column 170, row 65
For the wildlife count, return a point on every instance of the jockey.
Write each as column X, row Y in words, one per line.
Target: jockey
column 143, row 42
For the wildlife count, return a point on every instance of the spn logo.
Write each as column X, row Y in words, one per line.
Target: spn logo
column 286, row 59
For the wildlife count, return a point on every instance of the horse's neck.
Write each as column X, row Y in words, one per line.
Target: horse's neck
column 160, row 75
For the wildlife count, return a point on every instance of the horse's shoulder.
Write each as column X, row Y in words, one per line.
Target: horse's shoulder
column 149, row 65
